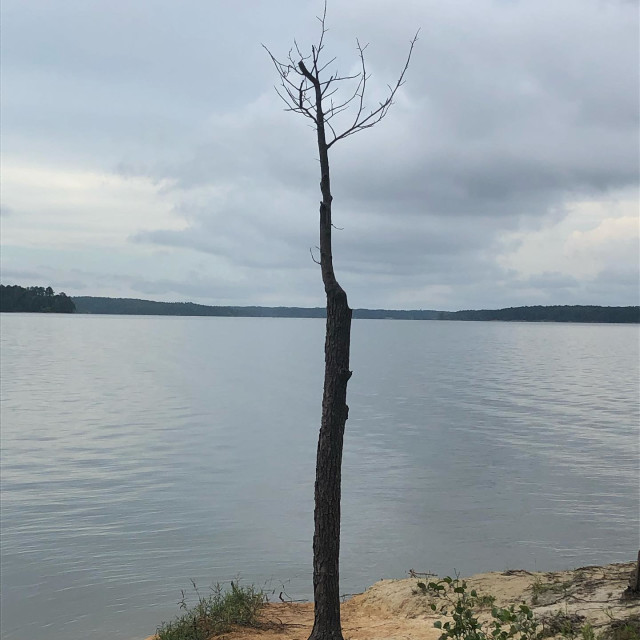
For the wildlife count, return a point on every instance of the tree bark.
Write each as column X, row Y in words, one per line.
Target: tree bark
column 326, row 538
column 634, row 582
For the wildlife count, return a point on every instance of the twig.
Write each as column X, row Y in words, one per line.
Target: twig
column 309, row 93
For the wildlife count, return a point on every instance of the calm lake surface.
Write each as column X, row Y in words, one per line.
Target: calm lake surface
column 139, row 453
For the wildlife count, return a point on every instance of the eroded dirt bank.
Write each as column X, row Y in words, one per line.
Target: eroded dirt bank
column 396, row 609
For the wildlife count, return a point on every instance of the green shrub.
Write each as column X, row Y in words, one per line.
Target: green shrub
column 454, row 600
column 628, row 629
column 567, row 625
column 214, row 614
column 539, row 588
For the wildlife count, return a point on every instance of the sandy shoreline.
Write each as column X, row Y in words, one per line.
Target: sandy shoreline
column 395, row 609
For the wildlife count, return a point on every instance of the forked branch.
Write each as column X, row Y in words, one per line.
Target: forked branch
column 304, row 91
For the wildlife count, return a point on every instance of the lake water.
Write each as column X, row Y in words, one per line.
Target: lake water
column 139, row 453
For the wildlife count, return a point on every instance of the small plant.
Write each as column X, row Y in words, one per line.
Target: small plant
column 628, row 629
column 539, row 588
column 486, row 601
column 214, row 614
column 568, row 625
column 460, row 604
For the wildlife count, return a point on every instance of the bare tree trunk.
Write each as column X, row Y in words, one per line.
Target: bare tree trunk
column 326, row 538
column 303, row 92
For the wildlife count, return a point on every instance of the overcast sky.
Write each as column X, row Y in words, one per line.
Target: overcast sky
column 146, row 154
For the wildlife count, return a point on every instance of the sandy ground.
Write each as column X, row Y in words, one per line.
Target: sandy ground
column 396, row 610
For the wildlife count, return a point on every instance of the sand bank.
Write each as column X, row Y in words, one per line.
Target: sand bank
column 396, row 610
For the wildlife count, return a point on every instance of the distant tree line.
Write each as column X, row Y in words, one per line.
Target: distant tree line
column 566, row 313
column 395, row 314
column 131, row 306
column 34, row 299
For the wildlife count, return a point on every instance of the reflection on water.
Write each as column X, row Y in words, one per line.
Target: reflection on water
column 139, row 453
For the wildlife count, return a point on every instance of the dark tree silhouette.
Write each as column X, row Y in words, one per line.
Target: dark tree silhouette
column 308, row 88
column 34, row 299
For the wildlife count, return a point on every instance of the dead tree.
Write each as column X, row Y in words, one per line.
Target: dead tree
column 309, row 89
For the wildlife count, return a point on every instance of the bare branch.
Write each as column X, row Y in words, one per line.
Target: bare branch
column 305, row 72
column 327, row 84
column 357, row 93
column 334, row 111
column 311, row 252
column 360, row 123
column 300, row 56
column 305, row 93
column 324, row 66
column 293, row 95
column 321, row 41
column 328, row 123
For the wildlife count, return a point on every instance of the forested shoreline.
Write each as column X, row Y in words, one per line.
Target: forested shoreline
column 554, row 313
column 557, row 313
column 133, row 306
column 14, row 298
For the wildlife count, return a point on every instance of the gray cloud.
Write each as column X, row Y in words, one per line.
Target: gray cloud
column 511, row 112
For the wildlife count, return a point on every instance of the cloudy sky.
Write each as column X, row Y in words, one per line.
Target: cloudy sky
column 145, row 153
